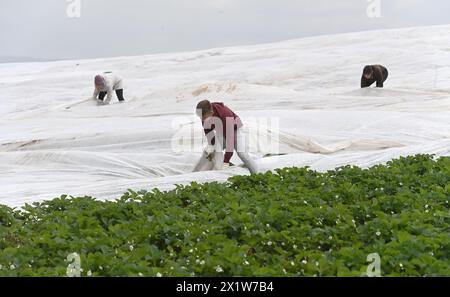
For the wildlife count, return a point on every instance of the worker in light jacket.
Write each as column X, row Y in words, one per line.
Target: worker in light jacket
column 105, row 85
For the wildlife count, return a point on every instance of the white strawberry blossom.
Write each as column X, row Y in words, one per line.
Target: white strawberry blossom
column 219, row 269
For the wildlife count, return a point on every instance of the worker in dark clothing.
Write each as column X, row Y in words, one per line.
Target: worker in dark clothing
column 374, row 73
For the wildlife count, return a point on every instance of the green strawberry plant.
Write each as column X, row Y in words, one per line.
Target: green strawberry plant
column 292, row 222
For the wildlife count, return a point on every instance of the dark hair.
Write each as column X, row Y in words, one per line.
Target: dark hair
column 203, row 107
column 368, row 70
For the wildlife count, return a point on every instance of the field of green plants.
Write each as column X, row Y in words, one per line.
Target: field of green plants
column 295, row 222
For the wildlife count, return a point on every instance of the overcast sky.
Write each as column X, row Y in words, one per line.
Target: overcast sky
column 105, row 28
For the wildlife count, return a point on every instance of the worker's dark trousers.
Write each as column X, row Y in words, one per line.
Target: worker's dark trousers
column 119, row 94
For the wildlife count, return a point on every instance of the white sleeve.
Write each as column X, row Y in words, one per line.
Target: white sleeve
column 109, row 93
column 96, row 92
column 119, row 84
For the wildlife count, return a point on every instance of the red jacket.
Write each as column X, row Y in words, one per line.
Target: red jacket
column 222, row 115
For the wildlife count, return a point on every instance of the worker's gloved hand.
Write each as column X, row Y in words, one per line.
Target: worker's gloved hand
column 209, row 152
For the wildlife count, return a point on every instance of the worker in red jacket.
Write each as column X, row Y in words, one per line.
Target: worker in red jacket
column 221, row 124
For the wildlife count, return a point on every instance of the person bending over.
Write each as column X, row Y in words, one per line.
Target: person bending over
column 374, row 73
column 221, row 124
column 105, row 85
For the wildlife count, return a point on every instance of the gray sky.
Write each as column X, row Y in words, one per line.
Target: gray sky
column 106, row 28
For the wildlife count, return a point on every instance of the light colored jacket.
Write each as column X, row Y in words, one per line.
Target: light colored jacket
column 113, row 82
